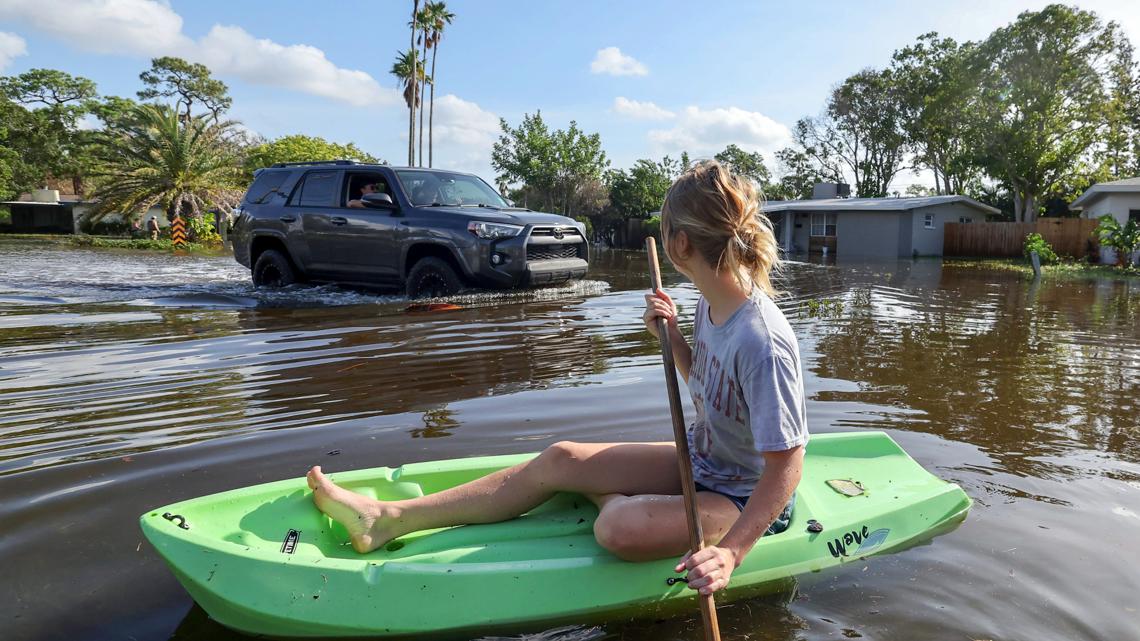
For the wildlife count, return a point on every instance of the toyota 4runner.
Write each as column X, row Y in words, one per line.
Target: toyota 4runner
column 427, row 232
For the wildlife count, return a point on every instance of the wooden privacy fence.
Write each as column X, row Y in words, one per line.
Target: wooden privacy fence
column 1068, row 237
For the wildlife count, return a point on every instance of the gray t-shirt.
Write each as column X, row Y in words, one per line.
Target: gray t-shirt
column 748, row 390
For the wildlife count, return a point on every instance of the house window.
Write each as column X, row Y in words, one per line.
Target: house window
column 823, row 224
column 928, row 221
column 965, row 219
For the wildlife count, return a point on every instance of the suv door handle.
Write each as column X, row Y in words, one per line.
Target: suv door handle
column 338, row 220
column 288, row 219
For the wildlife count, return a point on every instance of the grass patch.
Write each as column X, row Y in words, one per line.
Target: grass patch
column 1065, row 269
column 104, row 242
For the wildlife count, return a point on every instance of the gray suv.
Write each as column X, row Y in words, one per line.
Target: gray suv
column 427, row 232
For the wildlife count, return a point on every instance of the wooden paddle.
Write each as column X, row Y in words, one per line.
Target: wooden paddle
column 696, row 536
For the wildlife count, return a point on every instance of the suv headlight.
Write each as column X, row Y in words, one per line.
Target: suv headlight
column 493, row 230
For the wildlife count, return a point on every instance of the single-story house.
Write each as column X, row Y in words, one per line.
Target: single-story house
column 1118, row 198
column 871, row 227
column 45, row 211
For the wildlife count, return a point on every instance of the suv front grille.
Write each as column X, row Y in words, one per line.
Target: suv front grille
column 552, row 252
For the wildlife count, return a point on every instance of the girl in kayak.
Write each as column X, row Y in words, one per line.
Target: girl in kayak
column 747, row 441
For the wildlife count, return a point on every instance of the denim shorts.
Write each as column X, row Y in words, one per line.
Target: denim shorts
column 779, row 525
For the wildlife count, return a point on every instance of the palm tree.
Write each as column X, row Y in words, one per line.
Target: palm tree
column 438, row 18
column 409, row 70
column 154, row 156
column 423, row 24
column 411, row 103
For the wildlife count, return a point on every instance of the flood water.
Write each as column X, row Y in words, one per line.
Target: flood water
column 133, row 380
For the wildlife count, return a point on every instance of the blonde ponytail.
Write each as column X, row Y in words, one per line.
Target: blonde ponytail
column 720, row 214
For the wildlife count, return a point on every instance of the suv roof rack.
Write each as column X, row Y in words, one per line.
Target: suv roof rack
column 316, row 162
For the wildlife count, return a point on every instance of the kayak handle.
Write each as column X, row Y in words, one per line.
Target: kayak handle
column 673, row 580
column 177, row 517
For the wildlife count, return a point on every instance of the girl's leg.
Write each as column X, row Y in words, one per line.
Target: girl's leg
column 647, row 527
column 587, row 468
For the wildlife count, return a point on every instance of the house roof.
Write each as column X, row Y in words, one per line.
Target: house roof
column 1127, row 185
column 874, row 204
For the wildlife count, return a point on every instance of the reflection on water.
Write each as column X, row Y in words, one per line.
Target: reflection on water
column 132, row 380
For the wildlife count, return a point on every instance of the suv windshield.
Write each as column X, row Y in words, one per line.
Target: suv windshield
column 445, row 188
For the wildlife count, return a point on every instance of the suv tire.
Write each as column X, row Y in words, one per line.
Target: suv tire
column 272, row 269
column 432, row 278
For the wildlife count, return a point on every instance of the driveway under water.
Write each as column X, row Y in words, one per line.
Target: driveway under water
column 133, row 380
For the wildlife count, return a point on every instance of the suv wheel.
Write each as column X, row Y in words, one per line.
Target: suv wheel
column 432, row 278
column 272, row 269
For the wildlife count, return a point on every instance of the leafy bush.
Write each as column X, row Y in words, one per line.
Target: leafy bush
column 129, row 243
column 202, row 230
column 1035, row 243
column 1124, row 239
column 653, row 226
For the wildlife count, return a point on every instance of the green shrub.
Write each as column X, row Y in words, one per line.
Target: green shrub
column 1035, row 243
column 1123, row 239
column 653, row 226
column 130, row 243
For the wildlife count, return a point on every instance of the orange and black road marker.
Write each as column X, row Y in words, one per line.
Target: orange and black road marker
column 178, row 232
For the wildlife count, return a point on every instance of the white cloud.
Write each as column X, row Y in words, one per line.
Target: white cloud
column 464, row 133
column 640, row 110
column 615, row 63
column 230, row 50
column 11, row 46
column 704, row 132
column 151, row 28
column 104, row 26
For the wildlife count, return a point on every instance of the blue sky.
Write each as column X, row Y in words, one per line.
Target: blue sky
column 651, row 77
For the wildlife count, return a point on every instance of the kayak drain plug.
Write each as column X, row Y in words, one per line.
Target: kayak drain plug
column 814, row 526
column 177, row 517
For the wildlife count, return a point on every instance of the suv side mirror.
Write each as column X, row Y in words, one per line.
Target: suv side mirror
column 378, row 201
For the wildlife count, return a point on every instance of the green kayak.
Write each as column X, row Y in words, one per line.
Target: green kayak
column 264, row 560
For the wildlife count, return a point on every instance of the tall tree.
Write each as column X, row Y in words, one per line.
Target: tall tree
column 156, row 156
column 42, row 127
column 548, row 167
column 48, row 87
column 641, row 190
column 748, row 164
column 798, row 175
column 860, row 133
column 440, row 18
column 1122, row 112
column 423, row 24
column 411, row 75
column 937, row 89
column 300, row 148
column 189, row 83
column 1042, row 101
column 408, row 70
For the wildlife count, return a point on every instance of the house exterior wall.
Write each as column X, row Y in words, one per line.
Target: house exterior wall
column 1116, row 205
column 867, row 234
column 882, row 234
column 928, row 242
column 801, row 231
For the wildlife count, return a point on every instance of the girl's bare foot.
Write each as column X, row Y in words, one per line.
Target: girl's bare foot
column 365, row 519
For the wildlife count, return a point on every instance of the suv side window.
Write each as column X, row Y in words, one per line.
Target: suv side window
column 356, row 181
column 264, row 186
column 318, row 190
